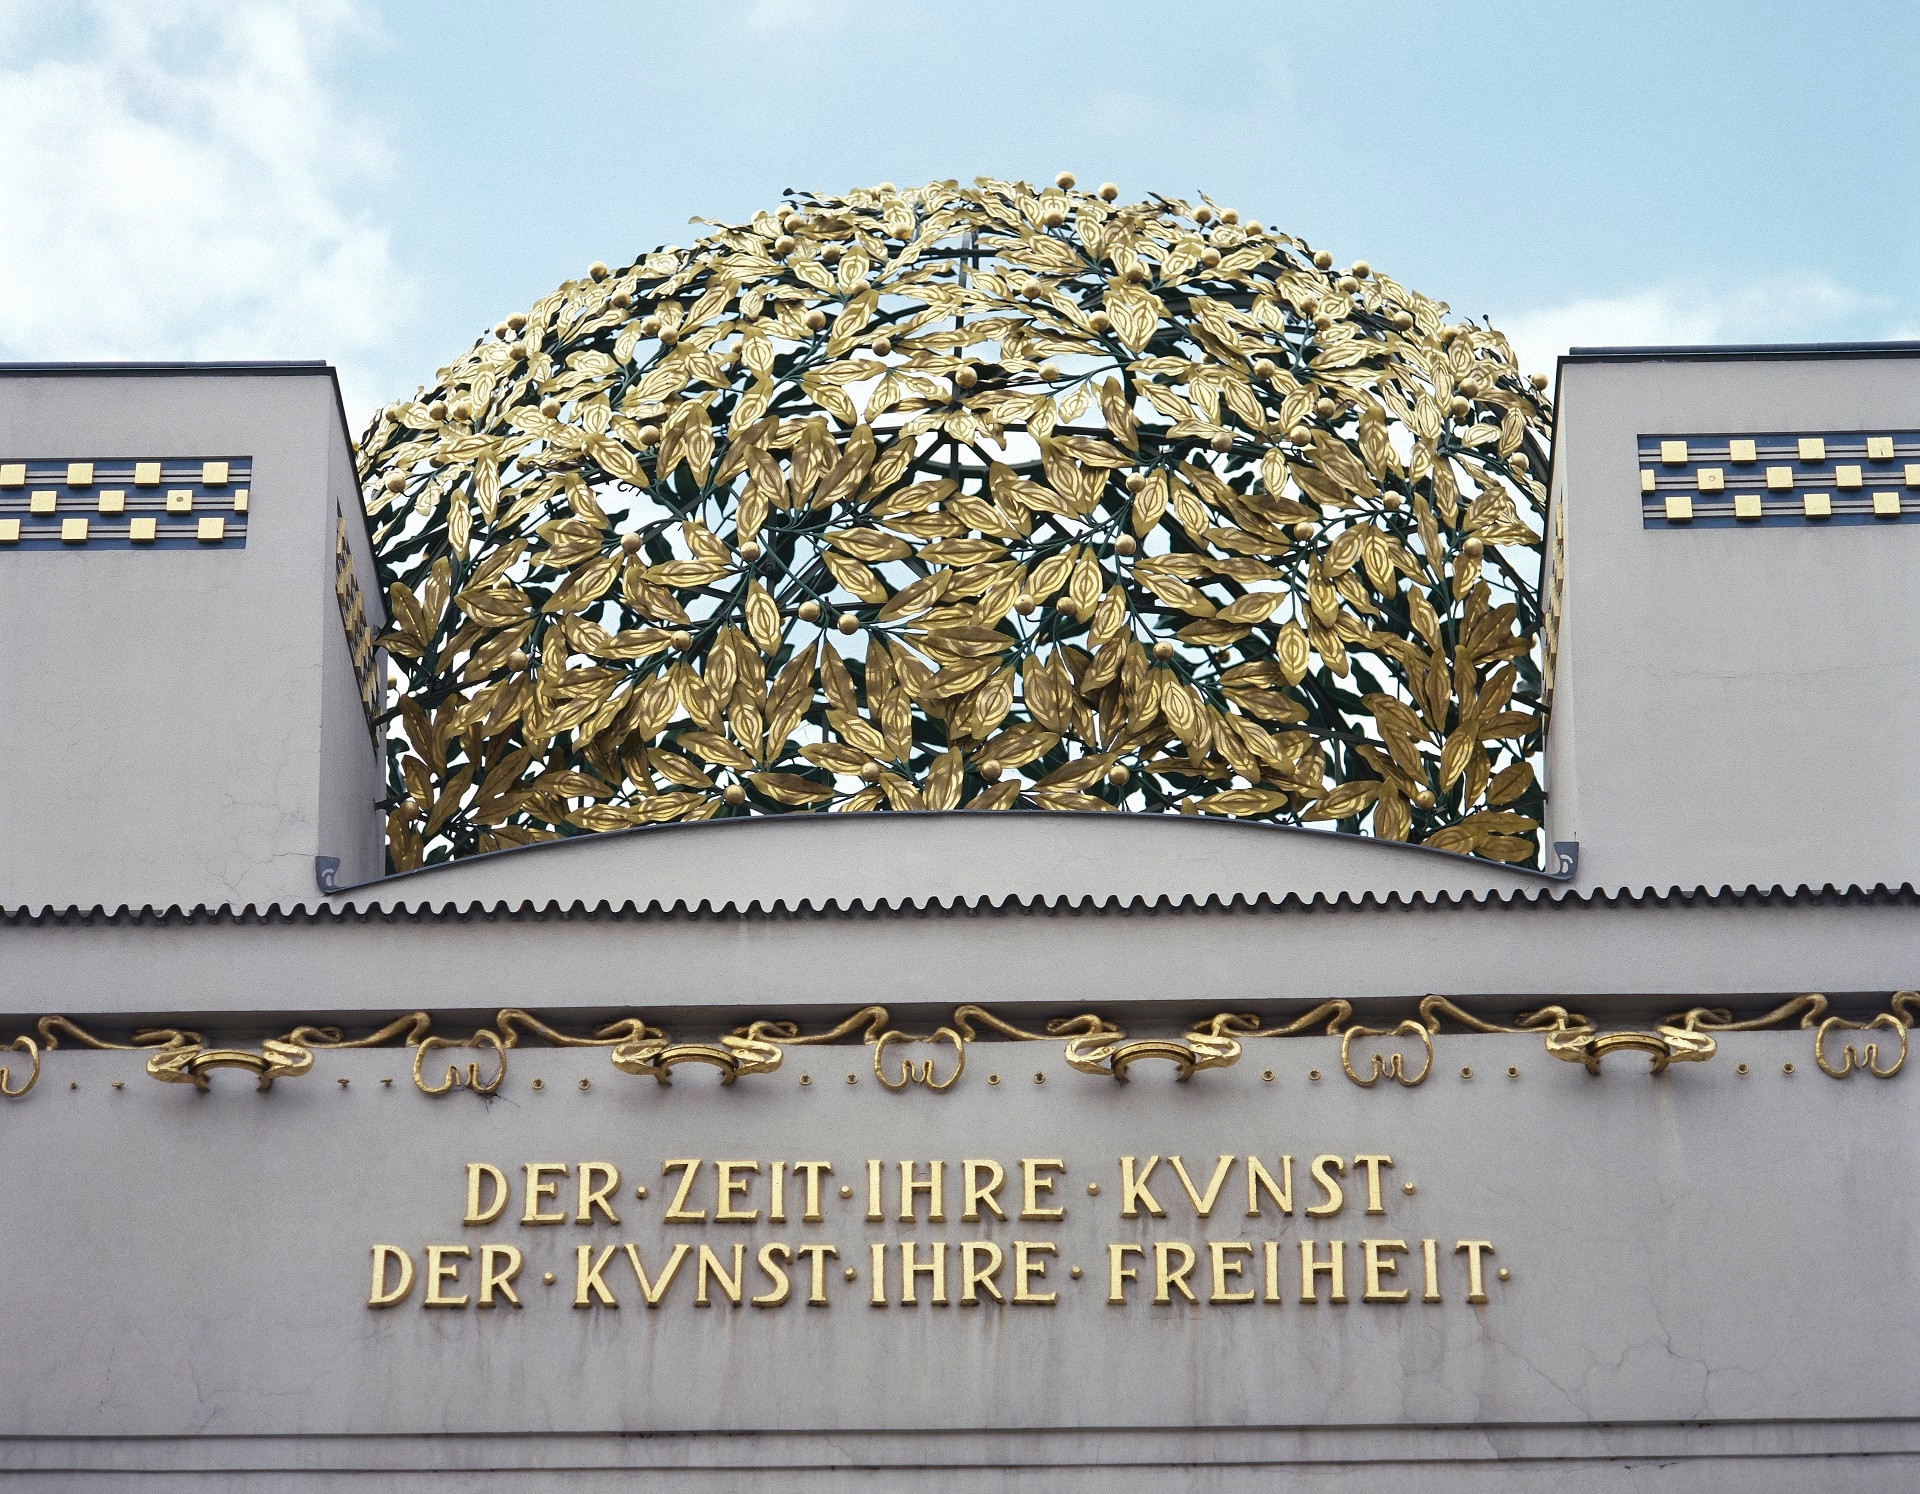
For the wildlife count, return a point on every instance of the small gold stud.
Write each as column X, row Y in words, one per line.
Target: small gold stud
column 586, row 1084
column 993, row 1078
column 539, row 1084
column 1512, row 1072
column 1740, row 1069
column 1466, row 1073
column 1313, row 1074
column 853, row 1078
column 547, row 1277
column 1505, row 1274
column 846, row 1190
column 850, row 1274
column 806, row 1078
column 119, row 1084
column 344, row 1081
column 1093, row 1190
column 1074, row 1272
column 387, row 1083
column 1406, row 1188
column 1039, row 1078
column 1786, row 1068
column 73, row 1084
column 1267, row 1076
column 641, row 1191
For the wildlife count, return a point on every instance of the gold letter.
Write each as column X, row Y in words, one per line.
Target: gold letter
column 587, row 1278
column 592, row 1197
column 813, row 1171
column 873, row 1188
column 878, row 1253
column 1430, row 1256
column 1132, row 1193
column 1025, row 1268
column 724, row 1211
column 911, row 1267
column 1223, row 1268
column 1335, row 1268
column 1202, row 1202
column 977, row 1193
column 380, row 1296
column 972, row 1276
column 1163, row 1278
column 1035, row 1185
column 1258, row 1177
column 478, row 1213
column 491, row 1276
column 777, row 1208
column 1373, row 1164
column 438, row 1271
column 936, row 1195
column 677, row 1211
column 1378, row 1265
column 782, row 1288
column 818, row 1296
column 1117, row 1273
column 1476, row 1288
column 1322, row 1169
column 652, row 1291
column 1273, row 1271
column 728, row 1284
column 538, row 1192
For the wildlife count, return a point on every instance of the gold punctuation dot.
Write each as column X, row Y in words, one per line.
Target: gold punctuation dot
column 1786, row 1068
column 1512, row 1072
column 387, row 1082
column 586, row 1084
column 1093, row 1190
column 1406, row 1187
column 641, row 1191
column 806, row 1078
column 1313, row 1074
column 853, row 1078
column 1466, row 1073
column 539, row 1084
column 993, row 1078
column 73, row 1084
column 1505, row 1274
column 547, row 1277
column 1039, row 1078
column 850, row 1273
column 343, row 1081
column 1074, row 1272
column 846, row 1191
column 1741, row 1069
column 119, row 1084
column 1267, row 1076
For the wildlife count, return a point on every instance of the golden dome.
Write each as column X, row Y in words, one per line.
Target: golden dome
column 968, row 497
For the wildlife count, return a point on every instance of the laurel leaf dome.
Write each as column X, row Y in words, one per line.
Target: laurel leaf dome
column 983, row 497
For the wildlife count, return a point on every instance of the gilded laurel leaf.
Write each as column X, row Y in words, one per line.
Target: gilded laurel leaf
column 753, row 527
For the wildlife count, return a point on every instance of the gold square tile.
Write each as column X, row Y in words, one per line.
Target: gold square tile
column 212, row 531
column 1846, row 477
column 180, row 501
column 1913, row 474
column 213, row 474
column 79, row 474
column 1813, row 449
column 146, row 474
column 1746, row 505
column 73, row 531
column 43, row 502
column 1779, row 478
column 1818, row 505
column 1673, row 453
column 1646, row 479
column 1679, row 508
column 1742, row 451
column 141, row 531
column 13, row 474
column 1879, row 448
column 240, row 501
column 113, row 501
column 9, row 531
column 1886, row 505
column 1712, row 480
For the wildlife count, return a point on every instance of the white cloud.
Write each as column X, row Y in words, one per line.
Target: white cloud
column 1791, row 308
column 178, row 180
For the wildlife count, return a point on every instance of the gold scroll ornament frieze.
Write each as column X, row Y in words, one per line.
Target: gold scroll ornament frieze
column 936, row 1059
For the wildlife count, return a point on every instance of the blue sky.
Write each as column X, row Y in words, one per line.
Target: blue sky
column 375, row 184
